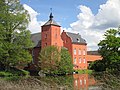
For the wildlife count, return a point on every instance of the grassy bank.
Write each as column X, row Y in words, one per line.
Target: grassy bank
column 84, row 71
column 12, row 72
column 37, row 83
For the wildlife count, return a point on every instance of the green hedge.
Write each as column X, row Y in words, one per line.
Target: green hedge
column 13, row 73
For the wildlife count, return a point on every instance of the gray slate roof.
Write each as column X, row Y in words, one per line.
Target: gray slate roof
column 93, row 53
column 51, row 22
column 76, row 38
column 36, row 39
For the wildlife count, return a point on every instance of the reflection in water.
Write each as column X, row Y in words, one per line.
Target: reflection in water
column 71, row 82
column 84, row 82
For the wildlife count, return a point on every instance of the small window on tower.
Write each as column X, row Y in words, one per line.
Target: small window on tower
column 55, row 35
column 45, row 36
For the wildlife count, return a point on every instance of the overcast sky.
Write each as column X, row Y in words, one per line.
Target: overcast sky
column 89, row 18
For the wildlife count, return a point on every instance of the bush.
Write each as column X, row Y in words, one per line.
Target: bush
column 98, row 66
column 5, row 74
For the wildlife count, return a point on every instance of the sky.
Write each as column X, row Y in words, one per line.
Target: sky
column 89, row 18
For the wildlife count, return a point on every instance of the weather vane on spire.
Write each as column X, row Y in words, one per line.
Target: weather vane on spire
column 51, row 16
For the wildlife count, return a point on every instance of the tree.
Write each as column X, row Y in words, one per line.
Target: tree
column 65, row 63
column 54, row 61
column 14, row 37
column 109, row 48
column 49, row 57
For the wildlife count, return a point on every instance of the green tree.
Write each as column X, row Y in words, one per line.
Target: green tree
column 65, row 63
column 49, row 57
column 109, row 48
column 53, row 61
column 14, row 37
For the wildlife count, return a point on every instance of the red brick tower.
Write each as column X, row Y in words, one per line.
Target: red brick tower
column 50, row 33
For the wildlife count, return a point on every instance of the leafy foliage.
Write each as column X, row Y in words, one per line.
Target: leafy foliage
column 14, row 38
column 52, row 61
column 49, row 57
column 109, row 48
column 65, row 63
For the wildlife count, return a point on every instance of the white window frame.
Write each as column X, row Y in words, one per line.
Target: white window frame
column 79, row 52
column 75, row 60
column 84, row 60
column 80, row 82
column 84, row 52
column 75, row 51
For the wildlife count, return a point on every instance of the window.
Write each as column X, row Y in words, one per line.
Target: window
column 80, row 60
column 75, row 60
column 79, row 52
column 85, row 81
column 45, row 36
column 76, row 82
column 84, row 61
column 74, row 51
column 80, row 82
column 55, row 35
column 78, row 40
column 83, row 52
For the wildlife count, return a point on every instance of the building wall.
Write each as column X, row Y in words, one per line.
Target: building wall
column 67, row 42
column 51, row 36
column 35, row 54
column 79, row 56
column 45, row 36
column 93, row 58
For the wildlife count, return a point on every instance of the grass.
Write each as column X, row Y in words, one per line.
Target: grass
column 12, row 72
column 84, row 71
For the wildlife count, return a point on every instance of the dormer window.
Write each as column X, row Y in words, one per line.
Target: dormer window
column 78, row 40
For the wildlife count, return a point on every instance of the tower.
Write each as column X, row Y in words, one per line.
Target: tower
column 50, row 33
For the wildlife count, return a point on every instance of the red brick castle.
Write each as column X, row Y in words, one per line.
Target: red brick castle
column 51, row 35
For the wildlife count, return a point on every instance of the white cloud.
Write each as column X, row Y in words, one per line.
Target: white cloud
column 34, row 25
column 92, row 27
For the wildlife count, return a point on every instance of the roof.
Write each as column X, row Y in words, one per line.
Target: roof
column 93, row 53
column 36, row 39
column 51, row 21
column 76, row 38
